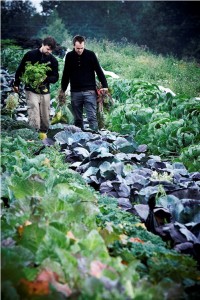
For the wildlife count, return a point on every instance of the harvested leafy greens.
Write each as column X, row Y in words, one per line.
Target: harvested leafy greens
column 35, row 75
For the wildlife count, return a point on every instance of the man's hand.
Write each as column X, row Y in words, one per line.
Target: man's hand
column 61, row 97
column 16, row 89
column 103, row 91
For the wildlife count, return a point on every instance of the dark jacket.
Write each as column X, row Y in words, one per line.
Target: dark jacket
column 34, row 56
column 80, row 70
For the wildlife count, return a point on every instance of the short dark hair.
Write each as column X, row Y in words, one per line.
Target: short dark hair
column 78, row 38
column 49, row 41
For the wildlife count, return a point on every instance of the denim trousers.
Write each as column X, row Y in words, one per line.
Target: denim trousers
column 85, row 100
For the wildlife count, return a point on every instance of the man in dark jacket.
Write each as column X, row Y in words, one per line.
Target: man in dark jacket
column 79, row 70
column 38, row 100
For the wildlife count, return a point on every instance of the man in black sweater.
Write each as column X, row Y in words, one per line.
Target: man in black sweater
column 79, row 70
column 38, row 100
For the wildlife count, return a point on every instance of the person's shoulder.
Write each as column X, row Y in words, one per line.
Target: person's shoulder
column 33, row 51
column 29, row 52
column 53, row 58
column 70, row 53
column 89, row 52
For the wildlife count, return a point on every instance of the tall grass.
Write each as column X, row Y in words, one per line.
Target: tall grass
column 131, row 61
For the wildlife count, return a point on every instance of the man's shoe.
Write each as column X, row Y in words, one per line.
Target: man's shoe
column 95, row 131
column 88, row 129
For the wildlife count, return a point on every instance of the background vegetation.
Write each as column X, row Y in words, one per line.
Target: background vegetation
column 130, row 61
column 164, row 27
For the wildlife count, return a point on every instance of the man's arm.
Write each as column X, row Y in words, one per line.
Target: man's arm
column 54, row 75
column 65, row 76
column 100, row 74
column 20, row 70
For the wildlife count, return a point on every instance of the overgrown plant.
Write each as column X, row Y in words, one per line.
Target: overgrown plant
column 166, row 123
column 12, row 102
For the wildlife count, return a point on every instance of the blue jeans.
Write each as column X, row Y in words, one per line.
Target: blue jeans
column 85, row 100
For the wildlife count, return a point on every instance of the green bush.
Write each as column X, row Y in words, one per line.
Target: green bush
column 10, row 58
column 130, row 62
column 9, row 43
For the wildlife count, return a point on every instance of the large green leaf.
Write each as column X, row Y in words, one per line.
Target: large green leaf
column 14, row 260
column 69, row 265
column 50, row 241
column 8, row 291
column 93, row 246
column 32, row 237
column 30, row 187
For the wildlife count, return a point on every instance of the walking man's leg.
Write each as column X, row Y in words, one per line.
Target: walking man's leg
column 77, row 108
column 44, row 112
column 33, row 109
column 90, row 102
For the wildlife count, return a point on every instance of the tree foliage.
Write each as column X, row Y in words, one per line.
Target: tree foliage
column 166, row 27
column 55, row 25
column 162, row 26
column 19, row 18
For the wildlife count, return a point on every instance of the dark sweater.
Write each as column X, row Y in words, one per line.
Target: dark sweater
column 34, row 56
column 80, row 70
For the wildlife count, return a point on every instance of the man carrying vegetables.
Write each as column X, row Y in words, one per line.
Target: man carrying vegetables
column 79, row 70
column 37, row 70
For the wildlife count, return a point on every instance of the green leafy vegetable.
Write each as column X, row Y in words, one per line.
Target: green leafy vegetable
column 35, row 75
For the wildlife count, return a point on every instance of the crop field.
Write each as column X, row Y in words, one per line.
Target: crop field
column 111, row 215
